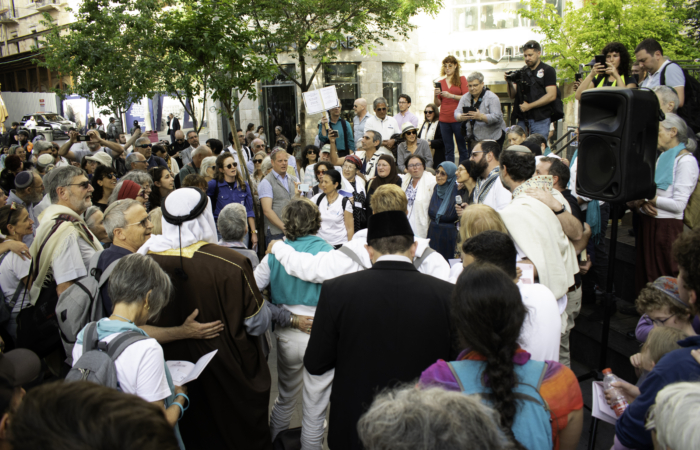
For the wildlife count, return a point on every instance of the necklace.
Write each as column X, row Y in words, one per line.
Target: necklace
column 328, row 200
column 124, row 318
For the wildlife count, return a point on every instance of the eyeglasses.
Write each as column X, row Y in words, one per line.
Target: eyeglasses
column 83, row 185
column 143, row 161
column 411, row 132
column 441, row 173
column 144, row 223
column 192, row 137
column 380, row 109
column 321, row 172
column 661, row 322
column 144, row 146
column 428, row 112
column 414, row 166
column 231, row 165
column 403, row 103
column 257, row 161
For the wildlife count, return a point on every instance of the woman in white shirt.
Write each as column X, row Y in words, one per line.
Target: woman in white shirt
column 337, row 224
column 419, row 188
column 15, row 223
column 351, row 167
column 139, row 290
column 662, row 216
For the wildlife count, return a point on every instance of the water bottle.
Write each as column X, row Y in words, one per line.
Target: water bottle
column 618, row 403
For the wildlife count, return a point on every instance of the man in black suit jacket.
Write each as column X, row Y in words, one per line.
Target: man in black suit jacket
column 173, row 126
column 378, row 327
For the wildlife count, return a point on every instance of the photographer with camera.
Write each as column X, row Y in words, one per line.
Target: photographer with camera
column 535, row 88
column 481, row 110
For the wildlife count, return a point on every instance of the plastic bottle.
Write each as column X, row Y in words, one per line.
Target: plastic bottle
column 618, row 403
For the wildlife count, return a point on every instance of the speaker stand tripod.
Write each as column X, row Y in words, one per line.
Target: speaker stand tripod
column 608, row 301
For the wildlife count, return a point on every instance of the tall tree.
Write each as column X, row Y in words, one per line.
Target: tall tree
column 221, row 46
column 579, row 34
column 310, row 31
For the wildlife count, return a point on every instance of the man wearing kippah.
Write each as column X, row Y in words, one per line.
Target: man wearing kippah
column 377, row 327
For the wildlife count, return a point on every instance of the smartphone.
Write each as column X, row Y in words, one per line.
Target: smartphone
column 458, row 200
column 468, row 109
column 600, row 59
column 304, row 187
column 83, row 138
column 437, row 85
column 333, row 133
column 578, row 76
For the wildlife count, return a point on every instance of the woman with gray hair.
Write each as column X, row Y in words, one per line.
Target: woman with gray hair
column 139, row 290
column 208, row 168
column 673, row 420
column 95, row 220
column 293, row 305
column 661, row 218
column 408, row 418
column 233, row 227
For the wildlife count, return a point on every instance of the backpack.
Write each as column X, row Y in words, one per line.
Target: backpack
column 322, row 196
column 690, row 111
column 532, row 425
column 96, row 364
column 5, row 306
column 81, row 304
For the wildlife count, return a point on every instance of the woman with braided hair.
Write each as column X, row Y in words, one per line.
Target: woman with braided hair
column 539, row 402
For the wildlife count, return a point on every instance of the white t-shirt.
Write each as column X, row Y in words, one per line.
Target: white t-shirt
column 498, row 196
column 387, row 127
column 140, row 369
column 333, row 220
column 541, row 332
column 72, row 263
column 12, row 270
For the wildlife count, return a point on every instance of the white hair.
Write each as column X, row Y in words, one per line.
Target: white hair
column 674, row 416
column 201, row 150
column 674, row 121
column 209, row 161
column 667, row 95
column 475, row 76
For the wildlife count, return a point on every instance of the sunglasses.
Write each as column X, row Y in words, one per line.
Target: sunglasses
column 231, row 165
column 411, row 132
column 179, row 141
column 257, row 161
column 380, row 109
column 321, row 172
column 110, row 175
column 145, row 146
column 311, row 152
column 84, row 185
column 428, row 112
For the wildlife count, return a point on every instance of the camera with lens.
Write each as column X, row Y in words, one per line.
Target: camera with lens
column 514, row 76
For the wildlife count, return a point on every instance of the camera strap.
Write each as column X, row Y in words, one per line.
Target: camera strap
column 476, row 105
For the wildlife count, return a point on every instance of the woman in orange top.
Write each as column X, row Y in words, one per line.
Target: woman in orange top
column 447, row 96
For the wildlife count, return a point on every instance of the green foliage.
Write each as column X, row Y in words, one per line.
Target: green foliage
column 582, row 33
column 314, row 28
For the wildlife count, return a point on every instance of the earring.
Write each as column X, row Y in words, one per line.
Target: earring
column 148, row 308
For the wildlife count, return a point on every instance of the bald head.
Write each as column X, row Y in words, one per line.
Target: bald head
column 179, row 135
column 199, row 154
column 360, row 106
column 258, row 145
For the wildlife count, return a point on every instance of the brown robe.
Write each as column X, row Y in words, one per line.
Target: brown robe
column 229, row 400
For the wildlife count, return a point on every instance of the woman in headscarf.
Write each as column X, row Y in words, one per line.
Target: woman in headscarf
column 386, row 174
column 442, row 230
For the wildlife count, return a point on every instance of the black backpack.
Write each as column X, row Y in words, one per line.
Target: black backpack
column 690, row 111
column 322, row 196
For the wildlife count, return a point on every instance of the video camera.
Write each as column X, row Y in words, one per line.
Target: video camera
column 514, row 75
column 518, row 77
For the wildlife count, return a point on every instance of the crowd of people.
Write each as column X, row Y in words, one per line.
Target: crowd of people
column 423, row 278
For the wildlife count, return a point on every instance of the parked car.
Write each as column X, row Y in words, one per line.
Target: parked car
column 45, row 121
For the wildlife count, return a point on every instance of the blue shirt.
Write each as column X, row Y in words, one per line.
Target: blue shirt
column 678, row 365
column 113, row 253
column 358, row 127
column 155, row 161
column 340, row 140
column 265, row 188
column 228, row 194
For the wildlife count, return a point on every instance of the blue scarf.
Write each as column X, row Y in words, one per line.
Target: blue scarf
column 547, row 151
column 444, row 192
column 106, row 327
column 664, row 167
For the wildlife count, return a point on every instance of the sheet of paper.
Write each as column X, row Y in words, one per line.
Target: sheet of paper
column 452, row 262
column 329, row 95
column 313, row 103
column 528, row 276
column 183, row 372
column 601, row 410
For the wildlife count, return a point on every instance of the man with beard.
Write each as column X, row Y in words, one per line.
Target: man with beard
column 29, row 190
column 97, row 143
column 193, row 141
column 489, row 190
column 535, row 110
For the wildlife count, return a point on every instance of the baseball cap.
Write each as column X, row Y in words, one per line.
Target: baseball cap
column 19, row 366
column 326, row 148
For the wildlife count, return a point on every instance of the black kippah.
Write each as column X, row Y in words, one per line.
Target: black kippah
column 388, row 223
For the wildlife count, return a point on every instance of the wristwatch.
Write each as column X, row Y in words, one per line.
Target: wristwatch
column 563, row 208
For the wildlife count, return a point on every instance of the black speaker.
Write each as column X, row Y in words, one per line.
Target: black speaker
column 617, row 144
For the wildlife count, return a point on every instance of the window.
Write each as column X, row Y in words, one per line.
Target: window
column 391, row 79
column 344, row 78
column 476, row 15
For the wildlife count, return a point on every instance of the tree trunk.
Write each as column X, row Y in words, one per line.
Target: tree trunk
column 237, row 145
